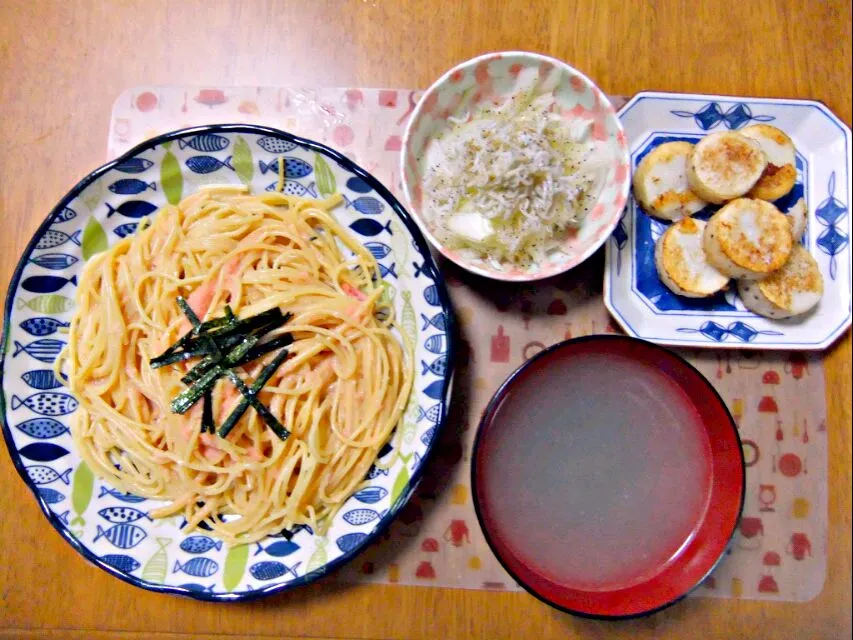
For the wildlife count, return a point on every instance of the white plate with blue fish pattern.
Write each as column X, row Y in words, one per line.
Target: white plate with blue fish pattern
column 641, row 303
column 113, row 529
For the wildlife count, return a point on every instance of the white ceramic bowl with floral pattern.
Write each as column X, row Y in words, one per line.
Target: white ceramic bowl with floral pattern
column 492, row 79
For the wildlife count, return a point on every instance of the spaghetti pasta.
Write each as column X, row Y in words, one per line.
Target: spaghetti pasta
column 340, row 393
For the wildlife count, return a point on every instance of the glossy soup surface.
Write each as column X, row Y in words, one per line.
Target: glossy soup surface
column 597, row 471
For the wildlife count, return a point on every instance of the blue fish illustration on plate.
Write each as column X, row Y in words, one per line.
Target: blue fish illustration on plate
column 134, row 165
column 65, row 215
column 123, row 536
column 124, row 497
column 46, row 284
column 434, row 389
column 120, row 515
column 42, row 379
column 43, row 326
column 431, row 295
column 293, row 167
column 419, row 269
column 121, row 562
column 50, row 496
column 369, row 227
column 200, row 544
column 358, row 185
column 358, row 517
column 294, row 188
column 124, row 230
column 378, row 249
column 437, row 366
column 42, row 428
column 432, row 414
column 350, row 541
column 426, row 436
column 439, row 321
column 375, row 472
column 131, row 186
column 44, row 349
column 132, row 209
column 47, row 403
column 370, row 495
column 436, row 343
column 271, row 569
column 367, row 205
column 197, row 567
column 278, row 549
column 54, row 261
column 42, row 452
column 275, row 145
column 206, row 143
column 198, row 588
column 40, row 474
column 384, row 271
column 53, row 238
column 207, row 164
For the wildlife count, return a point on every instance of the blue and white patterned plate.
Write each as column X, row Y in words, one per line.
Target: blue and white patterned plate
column 640, row 302
column 112, row 529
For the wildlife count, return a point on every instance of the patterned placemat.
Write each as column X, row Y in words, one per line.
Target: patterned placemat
column 779, row 552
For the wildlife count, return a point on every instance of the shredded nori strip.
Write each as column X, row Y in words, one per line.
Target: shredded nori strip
column 240, row 409
column 215, row 323
column 178, row 356
column 265, row 347
column 268, row 320
column 197, row 342
column 224, row 343
column 188, row 312
column 211, row 359
column 251, row 396
column 207, row 425
column 188, row 397
column 239, row 352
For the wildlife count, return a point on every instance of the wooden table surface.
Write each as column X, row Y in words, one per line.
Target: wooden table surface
column 63, row 63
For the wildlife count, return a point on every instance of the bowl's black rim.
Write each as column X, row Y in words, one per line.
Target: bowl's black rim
column 486, row 420
column 429, row 267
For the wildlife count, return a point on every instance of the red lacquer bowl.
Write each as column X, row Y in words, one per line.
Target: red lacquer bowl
column 608, row 476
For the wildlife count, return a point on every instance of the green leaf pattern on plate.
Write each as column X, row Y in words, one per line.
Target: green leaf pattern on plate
column 94, row 194
column 388, row 293
column 400, row 244
column 94, row 238
column 156, row 568
column 410, row 417
column 326, row 184
column 242, row 160
column 235, row 566
column 171, row 178
column 407, row 320
column 47, row 303
column 400, row 482
column 81, row 492
column 319, row 558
